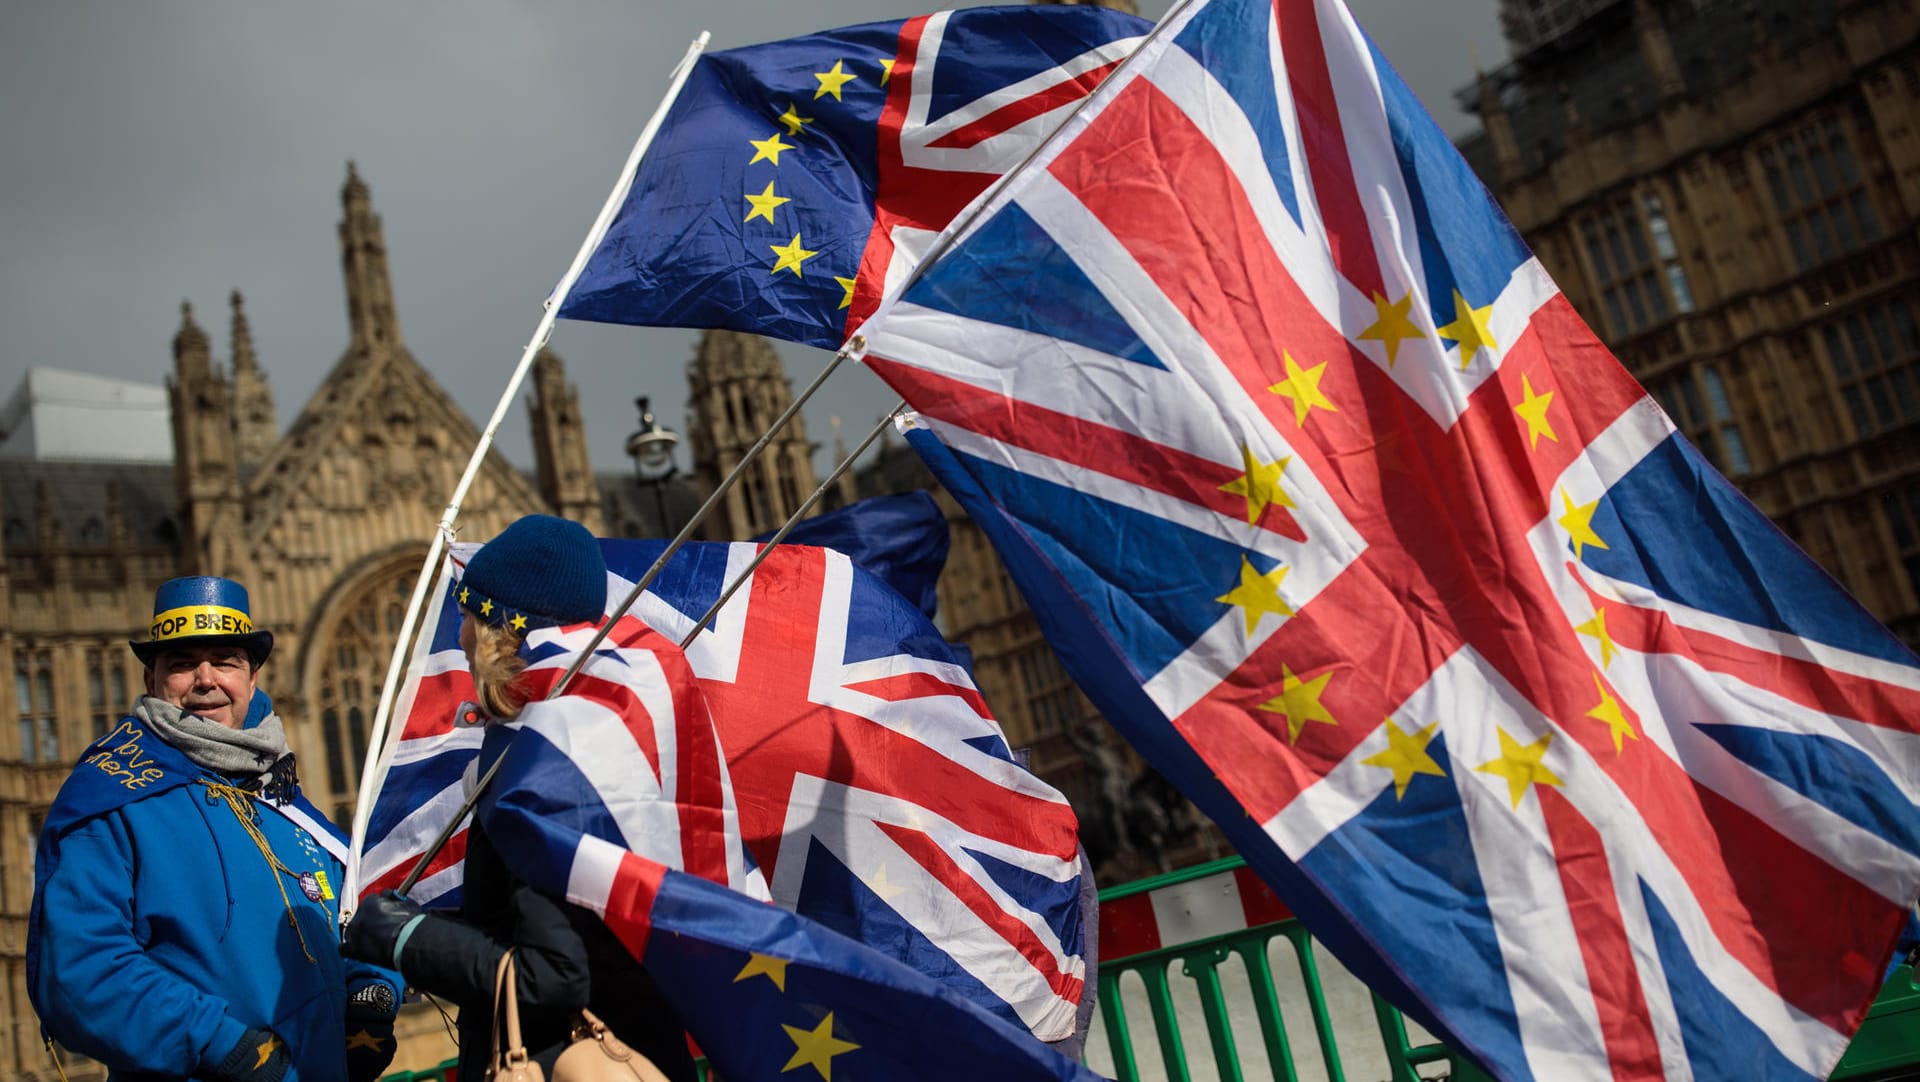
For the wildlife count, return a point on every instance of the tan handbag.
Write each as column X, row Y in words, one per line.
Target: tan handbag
column 593, row 1053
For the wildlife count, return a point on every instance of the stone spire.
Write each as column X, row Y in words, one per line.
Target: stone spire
column 739, row 387
column 1574, row 125
column 119, row 537
column 846, row 489
column 192, row 353
column 1499, row 125
column 254, row 428
column 373, row 322
column 1657, row 49
column 205, row 468
column 47, row 528
column 561, row 464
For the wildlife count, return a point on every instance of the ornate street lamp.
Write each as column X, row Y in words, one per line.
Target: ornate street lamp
column 651, row 449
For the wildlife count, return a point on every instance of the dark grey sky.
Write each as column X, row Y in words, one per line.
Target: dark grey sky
column 161, row 152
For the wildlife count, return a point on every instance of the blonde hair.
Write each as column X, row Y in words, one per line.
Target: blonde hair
column 496, row 664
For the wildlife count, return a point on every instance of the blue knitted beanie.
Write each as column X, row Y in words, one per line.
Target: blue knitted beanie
column 541, row 571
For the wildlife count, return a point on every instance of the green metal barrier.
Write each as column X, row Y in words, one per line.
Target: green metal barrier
column 1201, row 961
column 1887, row 1046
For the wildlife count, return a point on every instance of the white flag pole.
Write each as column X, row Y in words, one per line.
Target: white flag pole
column 371, row 775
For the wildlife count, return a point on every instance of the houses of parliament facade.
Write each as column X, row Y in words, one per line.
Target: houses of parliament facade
column 1727, row 190
column 326, row 525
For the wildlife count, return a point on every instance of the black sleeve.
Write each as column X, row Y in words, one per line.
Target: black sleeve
column 449, row 958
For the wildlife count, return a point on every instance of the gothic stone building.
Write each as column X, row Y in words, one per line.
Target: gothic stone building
column 1729, row 192
column 326, row 524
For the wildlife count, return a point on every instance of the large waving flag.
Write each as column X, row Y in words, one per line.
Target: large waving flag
column 876, row 793
column 1336, row 508
column 763, row 991
column 790, row 182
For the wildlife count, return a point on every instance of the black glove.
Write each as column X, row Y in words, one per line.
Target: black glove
column 370, row 1043
column 374, row 933
column 261, row 1056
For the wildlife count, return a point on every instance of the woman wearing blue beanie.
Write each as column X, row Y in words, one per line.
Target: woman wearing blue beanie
column 540, row 572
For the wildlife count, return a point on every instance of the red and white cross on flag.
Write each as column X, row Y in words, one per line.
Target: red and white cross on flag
column 875, row 789
column 864, row 781
column 1337, row 509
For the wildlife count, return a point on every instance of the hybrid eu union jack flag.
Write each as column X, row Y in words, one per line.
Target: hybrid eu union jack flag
column 876, row 794
column 1334, row 505
column 791, row 182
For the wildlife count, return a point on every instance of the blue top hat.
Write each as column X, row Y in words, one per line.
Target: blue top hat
column 202, row 611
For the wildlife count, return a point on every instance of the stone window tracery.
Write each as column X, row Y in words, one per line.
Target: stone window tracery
column 354, row 651
column 1636, row 264
column 1875, row 355
column 1820, row 193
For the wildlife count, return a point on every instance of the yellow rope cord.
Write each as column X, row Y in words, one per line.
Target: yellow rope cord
column 241, row 803
column 55, row 1053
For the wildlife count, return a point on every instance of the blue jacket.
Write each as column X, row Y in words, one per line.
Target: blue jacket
column 159, row 933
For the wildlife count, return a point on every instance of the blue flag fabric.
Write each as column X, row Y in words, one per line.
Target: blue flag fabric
column 791, row 181
column 900, row 539
column 1331, row 502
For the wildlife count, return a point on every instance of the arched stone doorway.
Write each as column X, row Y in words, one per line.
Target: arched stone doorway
column 348, row 663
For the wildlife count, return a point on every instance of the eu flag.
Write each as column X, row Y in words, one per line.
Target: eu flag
column 791, row 181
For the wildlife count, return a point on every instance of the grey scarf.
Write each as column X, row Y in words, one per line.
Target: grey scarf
column 234, row 752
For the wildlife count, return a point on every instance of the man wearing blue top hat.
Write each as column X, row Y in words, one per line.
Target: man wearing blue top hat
column 185, row 907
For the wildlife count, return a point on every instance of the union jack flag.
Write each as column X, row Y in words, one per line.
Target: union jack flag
column 1336, row 508
column 632, row 738
column 791, row 182
column 876, row 794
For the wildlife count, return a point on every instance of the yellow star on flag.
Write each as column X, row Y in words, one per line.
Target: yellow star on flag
column 1299, row 700
column 363, row 1039
column 791, row 256
column 768, row 149
column 1260, row 484
column 1533, row 410
column 463, row 595
column 832, row 80
column 266, row 1049
column 1579, row 524
column 486, row 608
column 816, row 1047
column 883, row 886
column 1303, row 386
column 1258, row 594
column 764, row 965
column 1391, row 325
column 1520, row 764
column 763, row 204
column 1469, row 328
column 793, row 120
column 1406, row 755
column 519, row 622
column 1597, row 627
column 886, row 71
column 846, row 284
column 1616, row 720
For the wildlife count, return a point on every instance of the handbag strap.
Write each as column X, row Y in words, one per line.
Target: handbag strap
column 506, row 1014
